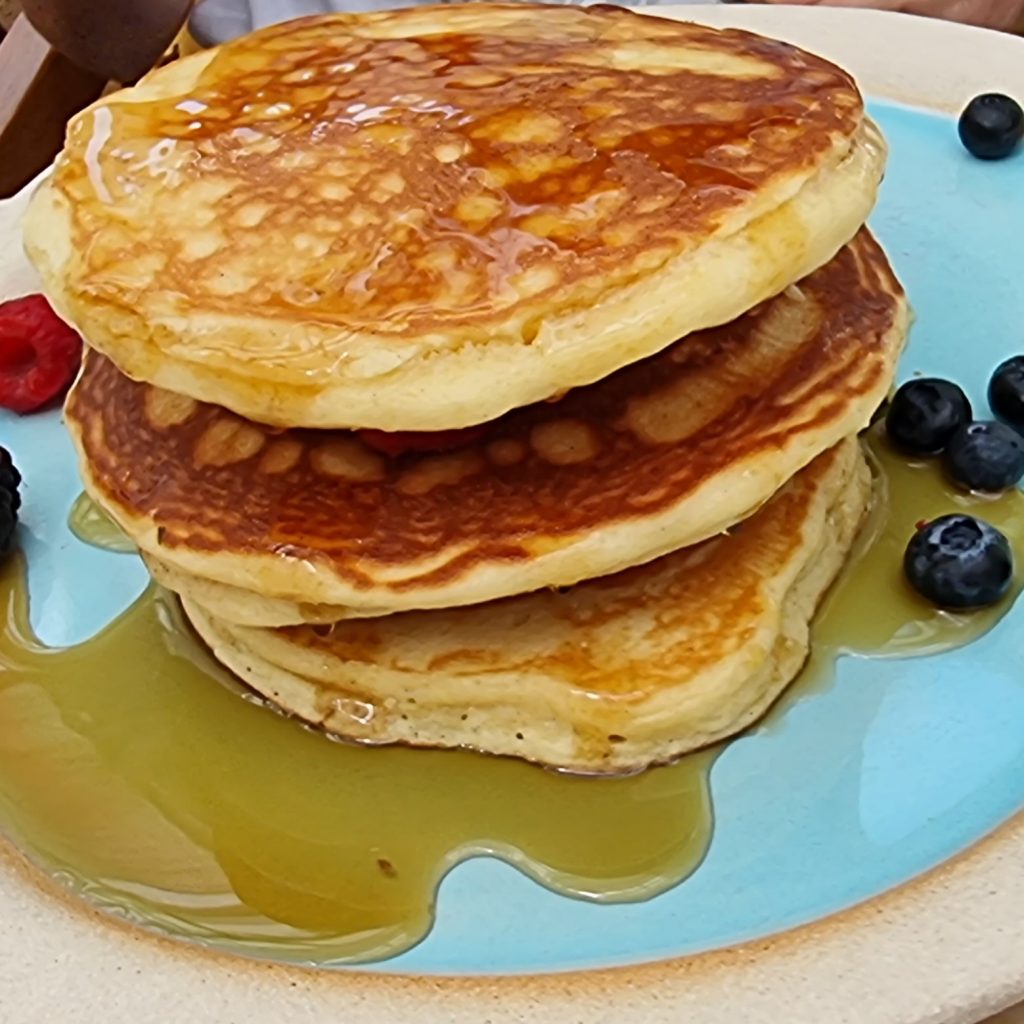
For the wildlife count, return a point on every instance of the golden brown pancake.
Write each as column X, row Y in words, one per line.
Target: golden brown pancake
column 660, row 455
column 613, row 675
column 420, row 219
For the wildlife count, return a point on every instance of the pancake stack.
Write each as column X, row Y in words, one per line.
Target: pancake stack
column 484, row 375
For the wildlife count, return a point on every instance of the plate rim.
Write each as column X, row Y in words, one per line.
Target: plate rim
column 939, row 949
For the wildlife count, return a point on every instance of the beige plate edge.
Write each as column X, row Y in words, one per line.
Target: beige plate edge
column 946, row 949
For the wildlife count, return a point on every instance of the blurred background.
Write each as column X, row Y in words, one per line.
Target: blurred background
column 216, row 20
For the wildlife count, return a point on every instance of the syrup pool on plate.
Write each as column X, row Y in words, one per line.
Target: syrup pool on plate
column 91, row 525
column 873, row 610
column 134, row 769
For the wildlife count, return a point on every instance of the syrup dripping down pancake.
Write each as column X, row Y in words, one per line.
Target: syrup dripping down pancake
column 610, row 676
column 272, row 527
column 420, row 219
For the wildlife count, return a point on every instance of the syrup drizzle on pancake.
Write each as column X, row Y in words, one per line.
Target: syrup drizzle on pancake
column 421, row 172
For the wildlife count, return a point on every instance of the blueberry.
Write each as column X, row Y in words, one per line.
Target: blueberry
column 985, row 456
column 1006, row 391
column 924, row 414
column 991, row 126
column 958, row 561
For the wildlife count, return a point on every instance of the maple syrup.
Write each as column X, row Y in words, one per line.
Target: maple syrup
column 134, row 768
column 91, row 525
column 549, row 152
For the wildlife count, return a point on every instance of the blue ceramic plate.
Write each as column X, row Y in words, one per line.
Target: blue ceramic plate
column 894, row 769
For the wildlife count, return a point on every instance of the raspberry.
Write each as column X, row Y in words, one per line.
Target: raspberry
column 402, row 441
column 39, row 354
column 10, row 502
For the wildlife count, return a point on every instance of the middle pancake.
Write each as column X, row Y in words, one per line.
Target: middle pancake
column 268, row 527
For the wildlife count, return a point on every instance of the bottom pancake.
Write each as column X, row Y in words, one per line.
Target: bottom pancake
column 609, row 676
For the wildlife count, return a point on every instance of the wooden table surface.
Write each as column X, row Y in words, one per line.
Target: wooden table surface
column 1014, row 1016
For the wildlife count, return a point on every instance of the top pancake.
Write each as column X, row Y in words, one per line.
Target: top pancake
column 657, row 456
column 419, row 219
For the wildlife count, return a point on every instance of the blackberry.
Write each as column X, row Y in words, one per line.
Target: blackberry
column 10, row 501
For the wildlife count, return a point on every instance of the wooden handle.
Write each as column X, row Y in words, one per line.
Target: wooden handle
column 115, row 39
column 39, row 90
